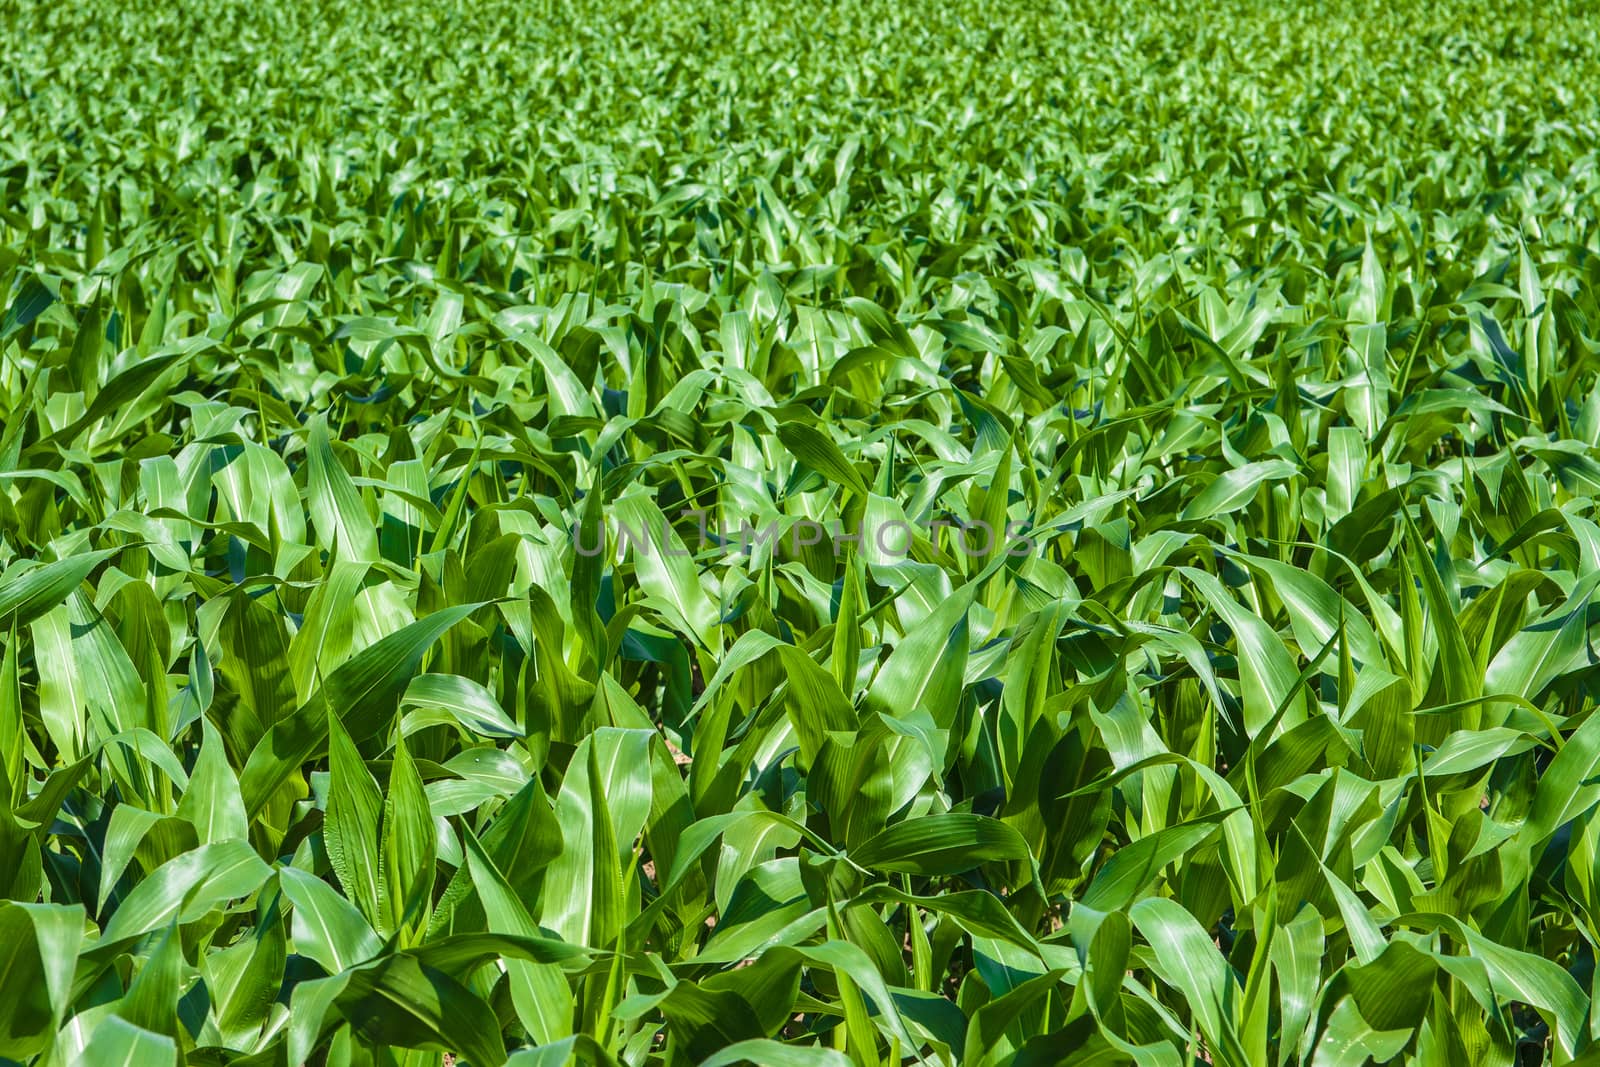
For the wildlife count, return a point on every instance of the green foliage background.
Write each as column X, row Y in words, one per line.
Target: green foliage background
column 326, row 326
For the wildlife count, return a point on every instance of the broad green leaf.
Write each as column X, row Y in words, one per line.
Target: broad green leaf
column 119, row 1043
column 364, row 693
column 398, row 1001
column 327, row 927
column 940, row 844
column 28, row 591
column 212, row 802
column 816, row 450
column 350, row 825
column 406, row 850
column 470, row 703
column 188, row 886
column 340, row 518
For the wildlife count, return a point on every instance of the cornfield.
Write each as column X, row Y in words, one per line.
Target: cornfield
column 672, row 534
